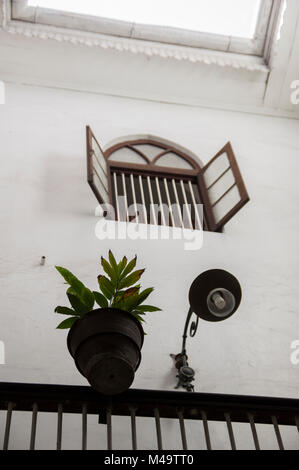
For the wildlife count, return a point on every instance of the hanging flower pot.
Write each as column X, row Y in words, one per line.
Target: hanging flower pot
column 106, row 345
column 106, row 342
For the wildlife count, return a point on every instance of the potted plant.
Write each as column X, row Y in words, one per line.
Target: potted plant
column 106, row 342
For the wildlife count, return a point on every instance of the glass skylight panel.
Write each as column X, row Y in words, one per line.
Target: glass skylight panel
column 236, row 18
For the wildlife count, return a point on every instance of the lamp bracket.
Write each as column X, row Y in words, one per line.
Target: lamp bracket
column 186, row 373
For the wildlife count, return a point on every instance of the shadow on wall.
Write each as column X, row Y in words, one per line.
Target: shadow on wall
column 65, row 189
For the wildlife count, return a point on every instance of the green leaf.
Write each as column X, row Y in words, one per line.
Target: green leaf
column 67, row 323
column 106, row 286
column 110, row 271
column 130, row 303
column 100, row 299
column 84, row 294
column 138, row 317
column 75, row 302
column 144, row 295
column 127, row 300
column 131, row 279
column 65, row 311
column 129, row 268
column 122, row 265
column 147, row 308
column 122, row 295
column 112, row 261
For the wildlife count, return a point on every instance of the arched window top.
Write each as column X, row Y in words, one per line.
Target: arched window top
column 150, row 150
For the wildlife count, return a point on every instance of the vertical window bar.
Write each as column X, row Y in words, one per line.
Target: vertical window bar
column 169, row 202
column 199, row 226
column 84, row 426
column 33, row 426
column 134, row 197
column 254, row 432
column 177, row 203
column 230, row 431
column 277, row 432
column 151, row 199
column 109, row 429
column 183, row 431
column 160, row 200
column 158, row 429
column 7, row 426
column 206, row 430
column 116, row 195
column 143, row 199
column 133, row 428
column 125, row 195
column 59, row 426
column 186, row 204
column 297, row 422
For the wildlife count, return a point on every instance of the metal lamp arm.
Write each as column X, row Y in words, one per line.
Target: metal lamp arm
column 185, row 373
column 193, row 329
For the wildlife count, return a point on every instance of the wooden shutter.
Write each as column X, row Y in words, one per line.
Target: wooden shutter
column 97, row 171
column 222, row 189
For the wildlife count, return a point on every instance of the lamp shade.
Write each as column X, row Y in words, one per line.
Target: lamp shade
column 215, row 295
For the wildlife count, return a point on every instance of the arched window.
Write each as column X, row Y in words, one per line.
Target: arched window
column 146, row 173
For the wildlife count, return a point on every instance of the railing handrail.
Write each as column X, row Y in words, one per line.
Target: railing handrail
column 48, row 397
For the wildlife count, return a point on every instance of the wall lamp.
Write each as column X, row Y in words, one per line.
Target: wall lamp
column 214, row 296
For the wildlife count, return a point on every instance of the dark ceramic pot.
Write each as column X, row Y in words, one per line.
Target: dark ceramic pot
column 106, row 345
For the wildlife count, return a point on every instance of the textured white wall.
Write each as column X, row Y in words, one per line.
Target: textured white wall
column 47, row 208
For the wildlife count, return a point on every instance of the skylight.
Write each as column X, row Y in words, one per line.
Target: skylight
column 236, row 18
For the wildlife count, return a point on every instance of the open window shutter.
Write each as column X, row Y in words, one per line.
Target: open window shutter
column 223, row 190
column 97, row 173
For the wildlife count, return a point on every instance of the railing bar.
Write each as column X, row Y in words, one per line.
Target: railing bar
column 183, row 431
column 158, row 429
column 230, row 431
column 277, row 432
column 219, row 177
column 186, row 204
column 134, row 196
column 160, row 200
column 224, row 194
column 116, row 195
column 125, row 195
column 33, row 426
column 133, row 427
column 59, row 426
column 143, row 199
column 84, row 426
column 169, row 202
column 109, row 429
column 254, row 432
column 195, row 206
column 99, row 162
column 177, row 202
column 151, row 199
column 206, row 430
column 7, row 426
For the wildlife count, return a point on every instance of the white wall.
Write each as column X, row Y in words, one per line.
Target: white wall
column 47, row 209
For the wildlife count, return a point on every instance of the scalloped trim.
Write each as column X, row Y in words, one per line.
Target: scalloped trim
column 134, row 46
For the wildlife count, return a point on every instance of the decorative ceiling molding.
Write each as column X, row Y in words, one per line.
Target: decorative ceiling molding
column 134, row 46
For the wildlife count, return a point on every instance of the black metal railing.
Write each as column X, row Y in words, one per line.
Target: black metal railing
column 136, row 404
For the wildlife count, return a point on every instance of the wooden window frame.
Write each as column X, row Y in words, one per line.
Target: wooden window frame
column 150, row 168
column 90, row 173
column 239, row 183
